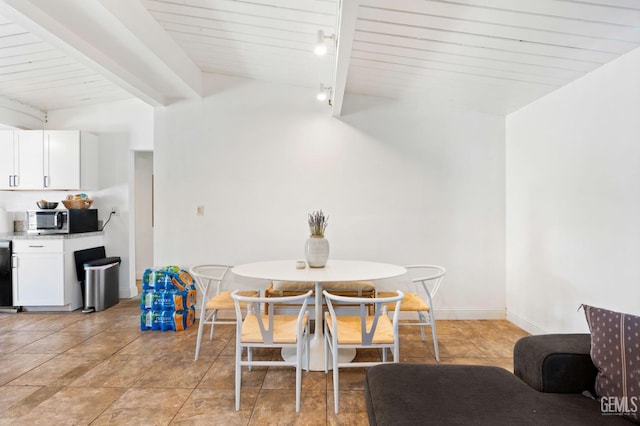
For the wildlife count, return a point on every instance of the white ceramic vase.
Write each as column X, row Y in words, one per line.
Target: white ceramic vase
column 316, row 250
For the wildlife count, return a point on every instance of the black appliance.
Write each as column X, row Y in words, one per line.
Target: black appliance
column 6, row 284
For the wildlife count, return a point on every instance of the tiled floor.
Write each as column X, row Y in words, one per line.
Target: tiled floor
column 74, row 368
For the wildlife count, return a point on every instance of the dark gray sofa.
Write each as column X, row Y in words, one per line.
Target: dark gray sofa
column 551, row 372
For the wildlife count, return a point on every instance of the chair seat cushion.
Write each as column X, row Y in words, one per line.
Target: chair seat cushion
column 284, row 328
column 224, row 302
column 350, row 330
column 411, row 302
column 337, row 286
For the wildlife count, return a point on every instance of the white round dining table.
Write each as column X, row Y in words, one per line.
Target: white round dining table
column 334, row 270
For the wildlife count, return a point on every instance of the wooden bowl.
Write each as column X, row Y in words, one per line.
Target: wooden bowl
column 77, row 204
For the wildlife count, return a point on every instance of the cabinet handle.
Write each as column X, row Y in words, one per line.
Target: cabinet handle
column 46, row 181
column 14, row 261
column 35, row 246
column 16, row 180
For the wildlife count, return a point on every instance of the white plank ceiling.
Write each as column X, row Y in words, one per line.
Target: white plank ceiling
column 39, row 76
column 491, row 55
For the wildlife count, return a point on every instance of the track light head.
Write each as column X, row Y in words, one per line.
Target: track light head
column 324, row 93
column 321, row 47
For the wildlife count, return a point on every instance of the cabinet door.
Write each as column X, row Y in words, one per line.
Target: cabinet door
column 88, row 161
column 29, row 159
column 39, row 279
column 7, row 158
column 62, row 159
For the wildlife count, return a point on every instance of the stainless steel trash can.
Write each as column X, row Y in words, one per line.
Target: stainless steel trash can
column 102, row 284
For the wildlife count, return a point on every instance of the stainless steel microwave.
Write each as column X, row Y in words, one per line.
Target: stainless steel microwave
column 61, row 221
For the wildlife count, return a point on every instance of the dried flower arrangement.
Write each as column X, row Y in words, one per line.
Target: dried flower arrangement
column 318, row 223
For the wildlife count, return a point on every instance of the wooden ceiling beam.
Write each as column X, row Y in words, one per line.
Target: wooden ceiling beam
column 347, row 16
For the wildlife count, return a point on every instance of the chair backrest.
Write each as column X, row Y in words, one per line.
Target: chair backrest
column 209, row 279
column 365, row 303
column 257, row 305
column 426, row 278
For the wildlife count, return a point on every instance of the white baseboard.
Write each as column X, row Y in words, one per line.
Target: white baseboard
column 127, row 292
column 469, row 314
column 524, row 324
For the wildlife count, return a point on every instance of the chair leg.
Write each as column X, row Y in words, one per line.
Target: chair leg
column 200, row 330
column 298, row 375
column 250, row 357
column 435, row 340
column 213, row 323
column 326, row 349
column 238, row 375
column 384, row 354
column 422, row 319
column 308, row 345
column 336, row 379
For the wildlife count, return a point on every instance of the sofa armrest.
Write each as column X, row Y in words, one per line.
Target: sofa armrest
column 555, row 363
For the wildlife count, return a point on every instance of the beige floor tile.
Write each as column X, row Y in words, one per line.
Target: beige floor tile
column 347, row 419
column 53, row 344
column 12, row 340
column 172, row 372
column 216, row 407
column 26, row 404
column 120, row 370
column 47, row 321
column 105, row 343
column 350, row 379
column 14, row 365
column 457, row 349
column 58, row 371
column 350, row 401
column 279, row 407
column 72, row 406
column 159, row 342
column 139, row 406
column 11, row 395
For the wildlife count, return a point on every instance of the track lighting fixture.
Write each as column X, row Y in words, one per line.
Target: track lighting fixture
column 321, row 48
column 324, row 93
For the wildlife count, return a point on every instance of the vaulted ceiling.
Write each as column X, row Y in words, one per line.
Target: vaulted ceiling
column 491, row 55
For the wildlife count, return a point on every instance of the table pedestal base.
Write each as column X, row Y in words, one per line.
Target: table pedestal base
column 316, row 357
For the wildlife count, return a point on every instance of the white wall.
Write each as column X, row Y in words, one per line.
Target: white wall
column 573, row 210
column 123, row 127
column 401, row 184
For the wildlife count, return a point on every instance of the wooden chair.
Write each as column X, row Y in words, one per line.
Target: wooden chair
column 421, row 299
column 341, row 288
column 362, row 331
column 271, row 330
column 212, row 299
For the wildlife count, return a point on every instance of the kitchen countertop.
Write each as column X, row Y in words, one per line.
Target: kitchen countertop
column 27, row 236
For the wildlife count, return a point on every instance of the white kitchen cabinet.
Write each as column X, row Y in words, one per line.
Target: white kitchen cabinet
column 30, row 159
column 7, row 159
column 49, row 159
column 44, row 272
column 38, row 271
column 22, row 159
column 70, row 160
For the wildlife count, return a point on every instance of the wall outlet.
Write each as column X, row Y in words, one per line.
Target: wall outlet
column 115, row 211
column 200, row 211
